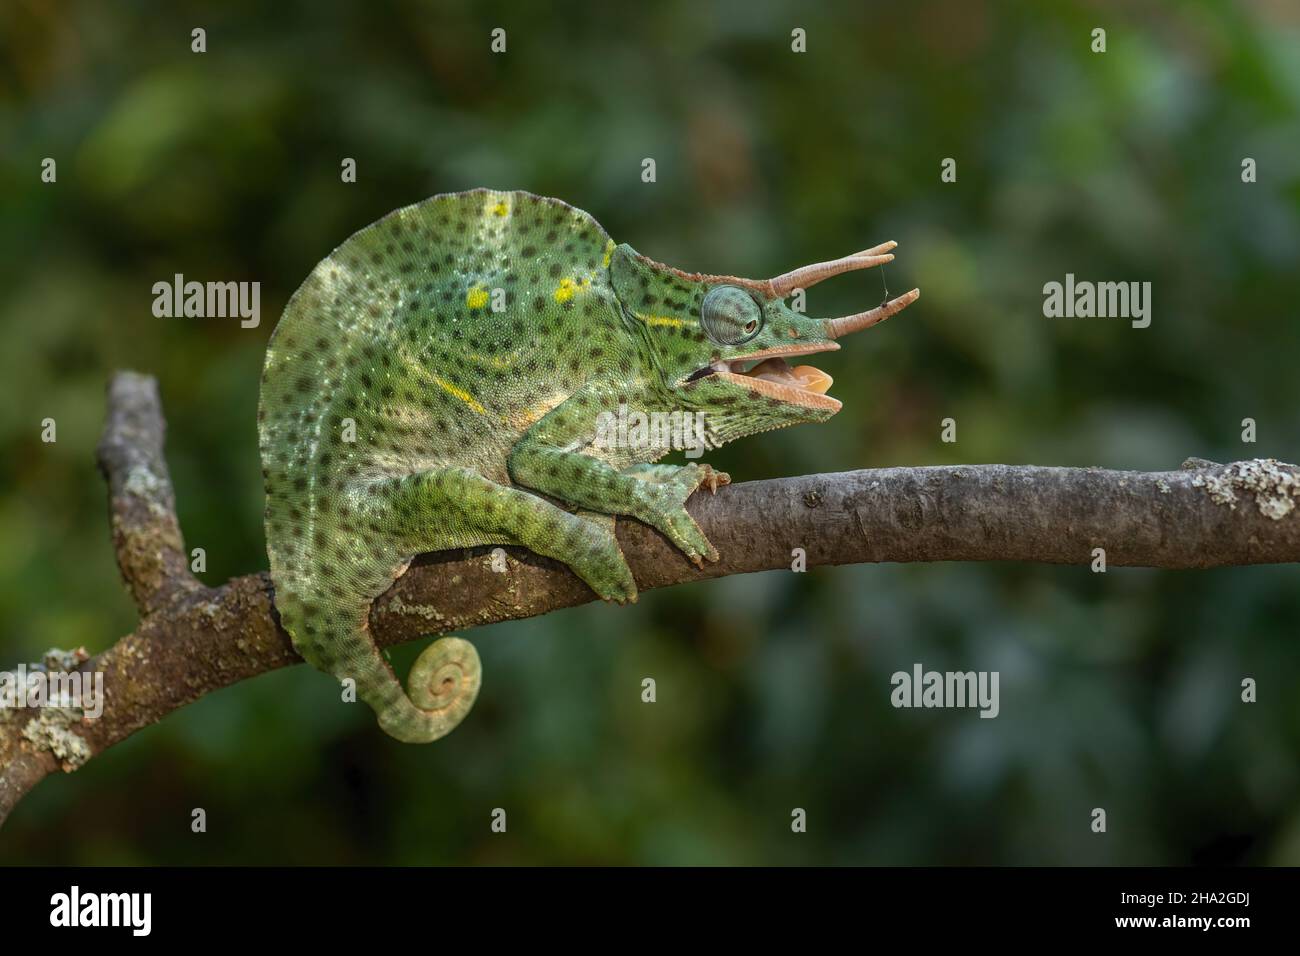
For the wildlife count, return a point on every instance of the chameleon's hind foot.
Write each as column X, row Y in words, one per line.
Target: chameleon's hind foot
column 613, row 583
column 601, row 563
column 480, row 508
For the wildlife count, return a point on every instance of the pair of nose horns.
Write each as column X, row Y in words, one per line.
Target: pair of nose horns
column 808, row 276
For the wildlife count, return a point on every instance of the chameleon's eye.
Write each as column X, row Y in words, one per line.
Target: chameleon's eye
column 730, row 315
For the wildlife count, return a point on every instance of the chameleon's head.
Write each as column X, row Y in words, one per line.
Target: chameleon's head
column 724, row 345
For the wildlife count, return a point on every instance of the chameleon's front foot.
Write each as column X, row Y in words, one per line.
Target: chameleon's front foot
column 671, row 487
column 654, row 494
column 712, row 479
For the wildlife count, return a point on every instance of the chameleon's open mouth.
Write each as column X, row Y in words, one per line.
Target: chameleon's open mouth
column 768, row 373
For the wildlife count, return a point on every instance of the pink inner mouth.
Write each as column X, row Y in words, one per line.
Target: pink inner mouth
column 774, row 377
column 805, row 377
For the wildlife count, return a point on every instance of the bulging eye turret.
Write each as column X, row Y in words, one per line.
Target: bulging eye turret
column 730, row 316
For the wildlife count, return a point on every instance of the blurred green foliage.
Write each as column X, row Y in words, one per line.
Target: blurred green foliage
column 1118, row 690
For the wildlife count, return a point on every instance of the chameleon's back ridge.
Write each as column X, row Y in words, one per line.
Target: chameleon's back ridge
column 439, row 381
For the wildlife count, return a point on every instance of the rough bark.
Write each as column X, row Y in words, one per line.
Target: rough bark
column 193, row 639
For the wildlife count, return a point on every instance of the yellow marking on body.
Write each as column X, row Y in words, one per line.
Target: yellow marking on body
column 460, row 393
column 667, row 320
column 496, row 204
column 527, row 417
column 495, row 361
column 476, row 297
column 568, row 288
column 419, row 372
column 609, row 251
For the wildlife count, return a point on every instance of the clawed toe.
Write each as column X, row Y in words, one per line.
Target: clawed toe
column 714, row 480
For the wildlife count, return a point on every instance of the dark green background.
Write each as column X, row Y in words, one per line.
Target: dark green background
column 1118, row 690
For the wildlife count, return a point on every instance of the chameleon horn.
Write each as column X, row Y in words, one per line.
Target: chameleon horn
column 878, row 250
column 865, row 320
column 808, row 276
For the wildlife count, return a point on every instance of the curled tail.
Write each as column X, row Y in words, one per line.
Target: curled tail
column 440, row 690
column 442, row 685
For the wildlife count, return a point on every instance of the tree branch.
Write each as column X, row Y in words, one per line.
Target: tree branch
column 193, row 640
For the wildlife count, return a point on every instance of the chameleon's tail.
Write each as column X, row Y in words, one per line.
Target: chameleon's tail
column 440, row 690
column 442, row 685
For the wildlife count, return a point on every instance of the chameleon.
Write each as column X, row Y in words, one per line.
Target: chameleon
column 438, row 380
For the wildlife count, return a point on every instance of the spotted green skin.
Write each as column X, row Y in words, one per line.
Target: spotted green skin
column 462, row 414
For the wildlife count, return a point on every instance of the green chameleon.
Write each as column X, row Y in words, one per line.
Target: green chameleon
column 438, row 382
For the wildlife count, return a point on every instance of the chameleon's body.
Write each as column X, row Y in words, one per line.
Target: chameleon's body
column 448, row 363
